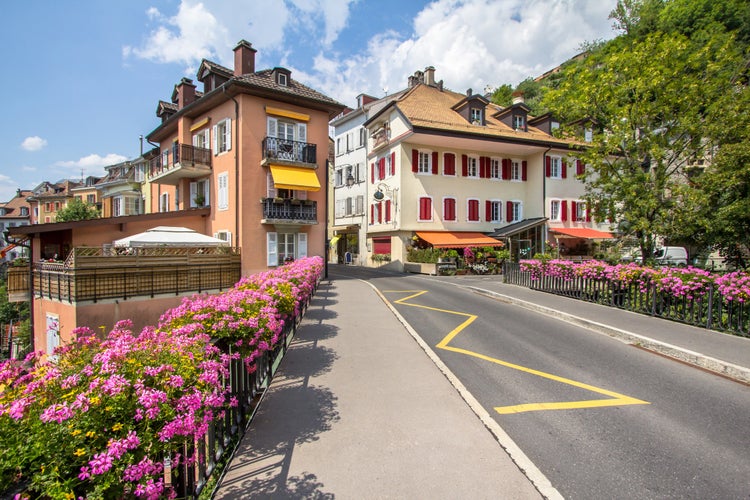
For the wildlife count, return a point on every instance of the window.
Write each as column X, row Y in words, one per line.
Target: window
column 425, row 209
column 48, row 207
column 199, row 194
column 425, row 163
column 338, row 180
column 224, row 235
column 449, row 209
column 554, row 125
column 140, row 173
column 514, row 211
column 588, row 134
column 57, row 206
column 362, row 137
column 46, row 219
column 555, row 213
column 381, row 245
column 53, row 334
column 495, row 170
column 472, row 167
column 377, row 216
column 349, row 206
column 494, row 211
column 200, row 139
column 164, row 202
column 24, row 211
column 515, row 170
column 519, row 122
column 222, row 136
column 339, row 151
column 472, row 210
column 579, row 211
column 555, row 167
column 476, row 116
column 282, row 79
column 223, row 190
column 117, row 206
column 283, row 246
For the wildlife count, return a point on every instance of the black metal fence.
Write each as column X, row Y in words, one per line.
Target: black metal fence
column 282, row 149
column 305, row 211
column 710, row 310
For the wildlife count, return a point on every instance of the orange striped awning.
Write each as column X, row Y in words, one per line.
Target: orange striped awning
column 447, row 239
column 582, row 232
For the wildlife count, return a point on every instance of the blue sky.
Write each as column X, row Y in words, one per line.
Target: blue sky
column 82, row 78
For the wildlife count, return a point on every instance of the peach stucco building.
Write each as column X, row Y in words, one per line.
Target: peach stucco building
column 244, row 160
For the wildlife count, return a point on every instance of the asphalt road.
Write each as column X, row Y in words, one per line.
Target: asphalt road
column 601, row 419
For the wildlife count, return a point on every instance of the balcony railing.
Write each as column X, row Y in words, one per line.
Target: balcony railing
column 275, row 149
column 183, row 160
column 18, row 283
column 94, row 274
column 280, row 211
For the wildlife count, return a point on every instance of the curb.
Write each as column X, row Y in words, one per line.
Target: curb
column 717, row 366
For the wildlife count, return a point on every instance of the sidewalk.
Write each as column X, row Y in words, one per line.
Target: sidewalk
column 725, row 354
column 352, row 413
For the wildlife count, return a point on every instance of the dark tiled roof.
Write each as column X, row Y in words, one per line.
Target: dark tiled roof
column 264, row 79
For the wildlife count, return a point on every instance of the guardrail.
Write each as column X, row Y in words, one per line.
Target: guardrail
column 711, row 311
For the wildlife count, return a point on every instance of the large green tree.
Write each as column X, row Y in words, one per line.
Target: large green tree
column 655, row 100
column 77, row 209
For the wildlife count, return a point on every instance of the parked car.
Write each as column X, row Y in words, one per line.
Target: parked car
column 671, row 256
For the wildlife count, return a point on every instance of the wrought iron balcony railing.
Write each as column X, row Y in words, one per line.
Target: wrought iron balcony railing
column 180, row 156
column 291, row 151
column 278, row 210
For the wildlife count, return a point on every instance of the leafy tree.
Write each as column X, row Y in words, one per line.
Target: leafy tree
column 75, row 210
column 652, row 100
column 502, row 95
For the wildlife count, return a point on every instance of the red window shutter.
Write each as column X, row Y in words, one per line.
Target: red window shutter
column 488, row 210
column 579, row 167
column 372, row 173
column 563, row 169
column 464, row 165
column 380, row 212
column 388, row 210
column 506, row 169
column 414, row 160
column 434, row 163
column 482, row 167
column 524, row 170
column 588, row 213
column 548, row 166
column 372, row 214
column 487, row 167
column 393, row 163
column 509, row 211
column 573, row 211
column 381, row 169
column 563, row 210
column 452, row 163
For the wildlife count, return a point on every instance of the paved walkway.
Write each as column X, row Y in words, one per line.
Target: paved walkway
column 358, row 410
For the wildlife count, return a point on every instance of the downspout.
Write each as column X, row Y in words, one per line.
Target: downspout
column 236, row 165
column 544, row 196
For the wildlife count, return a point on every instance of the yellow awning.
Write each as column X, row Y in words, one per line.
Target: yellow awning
column 304, row 179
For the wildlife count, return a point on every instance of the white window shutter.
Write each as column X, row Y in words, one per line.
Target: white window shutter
column 272, row 128
column 301, row 132
column 193, row 194
column 301, row 245
column 195, row 141
column 271, row 187
column 272, row 249
column 215, row 142
column 207, row 192
column 228, row 131
column 301, row 194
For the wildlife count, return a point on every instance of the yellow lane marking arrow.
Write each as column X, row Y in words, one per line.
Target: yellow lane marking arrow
column 615, row 399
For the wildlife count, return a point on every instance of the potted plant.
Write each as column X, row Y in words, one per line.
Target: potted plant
column 199, row 199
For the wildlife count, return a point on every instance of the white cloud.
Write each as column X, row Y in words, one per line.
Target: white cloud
column 33, row 143
column 92, row 164
column 8, row 188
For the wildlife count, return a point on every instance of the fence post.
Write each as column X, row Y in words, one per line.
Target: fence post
column 709, row 313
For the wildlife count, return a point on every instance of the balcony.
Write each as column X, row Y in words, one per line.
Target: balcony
column 284, row 152
column 18, row 283
column 95, row 274
column 286, row 211
column 183, row 161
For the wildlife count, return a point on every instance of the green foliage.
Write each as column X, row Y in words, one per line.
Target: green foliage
column 11, row 311
column 381, row 257
column 75, row 210
column 502, row 95
column 424, row 255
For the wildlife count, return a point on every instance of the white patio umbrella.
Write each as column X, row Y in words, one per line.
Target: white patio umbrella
column 169, row 236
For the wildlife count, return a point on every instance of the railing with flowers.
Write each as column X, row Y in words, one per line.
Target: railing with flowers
column 149, row 414
column 689, row 295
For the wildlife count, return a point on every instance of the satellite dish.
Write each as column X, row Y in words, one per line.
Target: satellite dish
column 378, row 195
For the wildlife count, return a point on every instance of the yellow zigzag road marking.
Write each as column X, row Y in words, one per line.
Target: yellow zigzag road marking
column 615, row 399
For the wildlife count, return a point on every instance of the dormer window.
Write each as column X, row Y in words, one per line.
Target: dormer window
column 281, row 76
column 476, row 116
column 588, row 134
column 282, row 79
column 519, row 122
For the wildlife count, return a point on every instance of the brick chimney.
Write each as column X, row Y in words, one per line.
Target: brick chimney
column 244, row 58
column 429, row 76
column 185, row 92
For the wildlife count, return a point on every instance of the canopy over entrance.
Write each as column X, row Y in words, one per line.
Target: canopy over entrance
column 303, row 179
column 446, row 239
column 581, row 232
column 169, row 236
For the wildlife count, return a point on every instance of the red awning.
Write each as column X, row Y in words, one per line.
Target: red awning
column 582, row 232
column 445, row 239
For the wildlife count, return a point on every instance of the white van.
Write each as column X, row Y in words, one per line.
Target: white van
column 671, row 256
